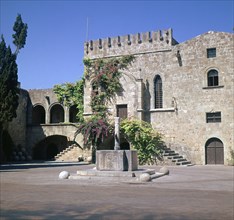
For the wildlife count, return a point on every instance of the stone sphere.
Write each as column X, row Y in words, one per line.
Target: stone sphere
column 64, row 175
column 89, row 159
column 145, row 177
column 164, row 170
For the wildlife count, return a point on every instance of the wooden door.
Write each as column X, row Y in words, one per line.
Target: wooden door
column 214, row 151
column 122, row 111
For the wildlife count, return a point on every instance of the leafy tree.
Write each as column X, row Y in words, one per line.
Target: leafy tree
column 144, row 139
column 72, row 94
column 9, row 90
column 94, row 131
column 105, row 75
column 20, row 35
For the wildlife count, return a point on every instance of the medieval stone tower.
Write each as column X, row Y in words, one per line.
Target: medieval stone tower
column 185, row 90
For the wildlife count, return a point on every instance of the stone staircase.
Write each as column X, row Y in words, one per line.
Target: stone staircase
column 175, row 158
column 71, row 153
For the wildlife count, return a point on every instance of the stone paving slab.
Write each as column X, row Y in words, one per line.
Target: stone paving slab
column 188, row 193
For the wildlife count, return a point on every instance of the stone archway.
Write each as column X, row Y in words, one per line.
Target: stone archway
column 214, row 151
column 49, row 147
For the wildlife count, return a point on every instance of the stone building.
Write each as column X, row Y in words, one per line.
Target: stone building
column 185, row 90
column 44, row 128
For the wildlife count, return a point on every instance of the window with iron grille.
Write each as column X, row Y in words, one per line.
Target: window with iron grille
column 213, row 78
column 213, row 117
column 211, row 52
column 158, row 94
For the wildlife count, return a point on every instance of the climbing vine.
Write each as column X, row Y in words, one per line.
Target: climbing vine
column 104, row 75
column 71, row 94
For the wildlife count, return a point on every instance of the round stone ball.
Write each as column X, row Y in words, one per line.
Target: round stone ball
column 64, row 175
column 145, row 177
column 164, row 170
column 89, row 159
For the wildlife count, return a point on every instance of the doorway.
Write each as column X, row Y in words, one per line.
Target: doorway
column 122, row 111
column 214, row 151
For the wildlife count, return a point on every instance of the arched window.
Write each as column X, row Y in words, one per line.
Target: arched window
column 213, row 78
column 38, row 115
column 158, row 94
column 72, row 114
column 56, row 114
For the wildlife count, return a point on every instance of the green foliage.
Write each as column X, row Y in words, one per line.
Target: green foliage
column 9, row 72
column 9, row 90
column 144, row 139
column 20, row 35
column 105, row 77
column 231, row 160
column 71, row 94
column 8, row 83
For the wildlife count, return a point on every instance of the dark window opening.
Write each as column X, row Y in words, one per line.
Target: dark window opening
column 211, row 52
column 38, row 115
column 213, row 78
column 57, row 114
column 213, row 117
column 72, row 114
column 158, row 94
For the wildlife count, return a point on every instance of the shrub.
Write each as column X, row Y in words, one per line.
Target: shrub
column 144, row 139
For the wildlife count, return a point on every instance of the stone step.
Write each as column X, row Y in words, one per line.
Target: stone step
column 169, row 151
column 183, row 163
column 171, row 156
column 67, row 153
column 177, row 157
column 179, row 160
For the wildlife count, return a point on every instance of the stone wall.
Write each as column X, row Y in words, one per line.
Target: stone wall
column 187, row 98
column 17, row 127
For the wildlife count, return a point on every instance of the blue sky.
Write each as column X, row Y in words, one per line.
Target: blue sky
column 57, row 30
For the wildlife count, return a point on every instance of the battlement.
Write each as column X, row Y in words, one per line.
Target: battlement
column 130, row 44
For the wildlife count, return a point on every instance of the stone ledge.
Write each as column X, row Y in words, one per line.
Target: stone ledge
column 93, row 172
column 163, row 110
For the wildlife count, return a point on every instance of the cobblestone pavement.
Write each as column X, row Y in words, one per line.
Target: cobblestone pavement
column 34, row 191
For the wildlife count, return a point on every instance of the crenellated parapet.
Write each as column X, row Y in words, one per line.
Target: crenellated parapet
column 139, row 43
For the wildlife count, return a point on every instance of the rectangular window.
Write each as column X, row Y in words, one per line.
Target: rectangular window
column 211, row 52
column 213, row 117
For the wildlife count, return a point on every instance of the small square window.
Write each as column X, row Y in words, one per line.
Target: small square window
column 211, row 52
column 213, row 117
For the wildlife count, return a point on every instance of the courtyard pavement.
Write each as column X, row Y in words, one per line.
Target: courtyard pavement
column 34, row 191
